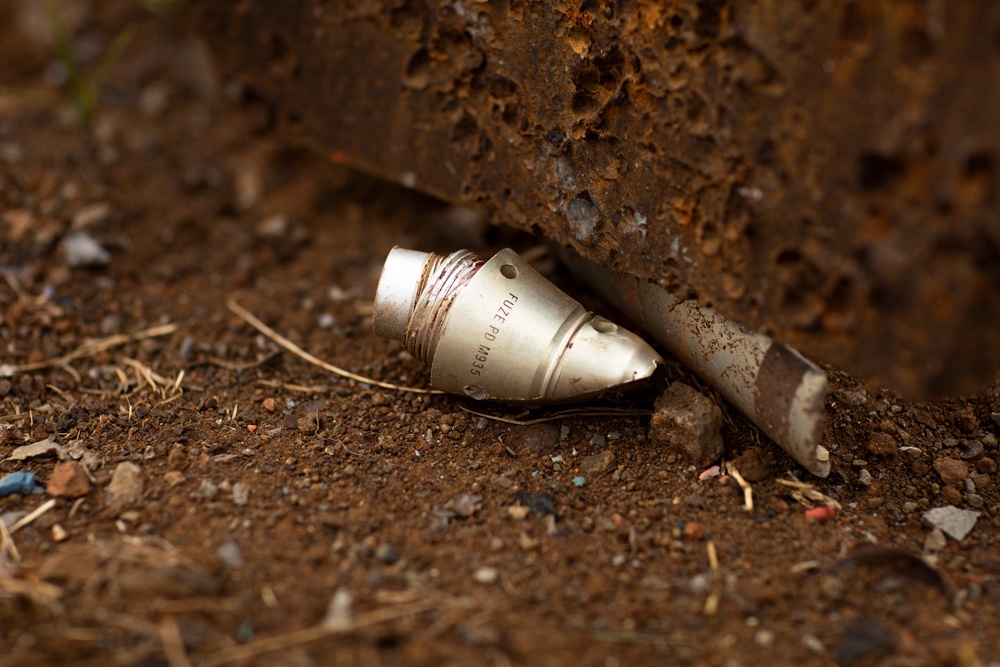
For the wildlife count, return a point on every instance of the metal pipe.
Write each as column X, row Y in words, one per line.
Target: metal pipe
column 773, row 385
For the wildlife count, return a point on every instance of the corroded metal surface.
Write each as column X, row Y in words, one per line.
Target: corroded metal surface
column 826, row 172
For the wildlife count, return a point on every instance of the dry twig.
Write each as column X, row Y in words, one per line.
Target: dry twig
column 89, row 349
column 30, row 518
column 250, row 319
column 313, row 634
column 173, row 645
column 807, row 494
column 564, row 414
column 291, row 387
column 745, row 485
column 7, row 545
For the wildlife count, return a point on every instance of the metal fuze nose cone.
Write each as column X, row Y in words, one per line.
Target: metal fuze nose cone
column 500, row 331
column 603, row 356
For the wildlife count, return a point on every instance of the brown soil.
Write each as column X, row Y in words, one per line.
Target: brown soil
column 276, row 495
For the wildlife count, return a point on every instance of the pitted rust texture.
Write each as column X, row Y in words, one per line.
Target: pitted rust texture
column 823, row 171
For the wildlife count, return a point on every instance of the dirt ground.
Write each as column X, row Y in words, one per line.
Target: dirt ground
column 222, row 501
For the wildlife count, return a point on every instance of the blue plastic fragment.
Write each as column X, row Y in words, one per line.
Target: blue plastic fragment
column 18, row 482
column 578, row 481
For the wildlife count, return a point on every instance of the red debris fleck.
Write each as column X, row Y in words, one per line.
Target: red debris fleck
column 693, row 531
column 710, row 472
column 820, row 513
column 252, row 428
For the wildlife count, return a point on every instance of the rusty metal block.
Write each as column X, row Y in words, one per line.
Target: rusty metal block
column 826, row 172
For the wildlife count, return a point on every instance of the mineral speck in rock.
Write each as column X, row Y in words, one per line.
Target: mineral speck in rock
column 686, row 421
column 954, row 522
column 582, row 216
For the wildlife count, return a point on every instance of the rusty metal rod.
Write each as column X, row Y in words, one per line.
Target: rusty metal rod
column 778, row 389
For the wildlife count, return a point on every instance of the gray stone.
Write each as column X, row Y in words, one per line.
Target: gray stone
column 230, row 555
column 387, row 553
column 125, row 487
column 80, row 249
column 41, row 449
column 971, row 449
column 856, row 397
column 598, row 464
column 954, row 522
column 464, row 504
column 241, row 494
column 687, row 422
column 340, row 610
column 934, row 542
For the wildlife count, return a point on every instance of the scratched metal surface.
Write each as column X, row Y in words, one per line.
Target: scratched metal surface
column 826, row 172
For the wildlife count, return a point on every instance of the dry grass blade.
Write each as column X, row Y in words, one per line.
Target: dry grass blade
column 807, row 494
column 89, row 349
column 250, row 319
column 291, row 387
column 565, row 414
column 173, row 645
column 745, row 485
column 7, row 546
column 30, row 518
column 312, row 634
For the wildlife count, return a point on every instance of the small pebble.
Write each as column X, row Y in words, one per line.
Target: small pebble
column 813, row 643
column 864, row 477
column 764, row 638
column 856, row 397
column 952, row 471
column 46, row 448
column 81, row 250
column 598, row 464
column 954, row 522
column 686, row 421
column 486, row 575
column 241, row 494
column 882, row 445
column 935, row 541
column 387, row 553
column 126, row 485
column 68, row 480
column 173, row 478
column 464, row 504
column 340, row 610
column 230, row 555
column 971, row 450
